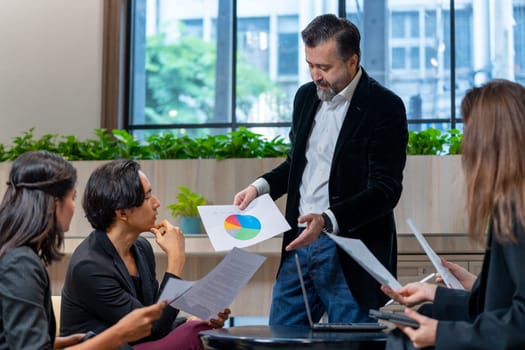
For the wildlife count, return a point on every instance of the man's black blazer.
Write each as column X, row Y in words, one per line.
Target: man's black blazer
column 365, row 180
column 98, row 290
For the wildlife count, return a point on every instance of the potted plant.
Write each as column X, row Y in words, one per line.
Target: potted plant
column 186, row 210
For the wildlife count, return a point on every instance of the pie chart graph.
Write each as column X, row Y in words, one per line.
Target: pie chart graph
column 242, row 227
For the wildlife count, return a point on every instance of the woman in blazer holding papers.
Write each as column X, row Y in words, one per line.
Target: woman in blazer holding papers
column 112, row 272
column 36, row 210
column 492, row 314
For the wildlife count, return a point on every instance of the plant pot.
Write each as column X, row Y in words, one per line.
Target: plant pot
column 190, row 225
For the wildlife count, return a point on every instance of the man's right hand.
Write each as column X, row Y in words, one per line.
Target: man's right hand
column 244, row 197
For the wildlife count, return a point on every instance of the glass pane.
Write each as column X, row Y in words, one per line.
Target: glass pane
column 270, row 58
column 430, row 22
column 179, row 132
column 444, row 126
column 288, row 46
column 174, row 75
column 398, row 58
column 416, row 64
column 431, row 57
column 414, row 57
column 181, row 57
column 412, row 18
column 489, row 51
column 398, row 25
column 519, row 39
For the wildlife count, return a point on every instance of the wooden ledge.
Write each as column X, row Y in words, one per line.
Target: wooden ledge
column 199, row 244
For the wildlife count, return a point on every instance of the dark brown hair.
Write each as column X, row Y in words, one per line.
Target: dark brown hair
column 494, row 166
column 329, row 26
column 27, row 211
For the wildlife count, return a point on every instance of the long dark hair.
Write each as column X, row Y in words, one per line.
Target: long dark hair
column 111, row 186
column 27, row 211
column 492, row 146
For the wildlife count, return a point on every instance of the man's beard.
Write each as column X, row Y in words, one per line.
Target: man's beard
column 323, row 94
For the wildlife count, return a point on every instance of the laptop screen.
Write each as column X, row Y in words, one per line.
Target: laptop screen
column 303, row 288
column 374, row 326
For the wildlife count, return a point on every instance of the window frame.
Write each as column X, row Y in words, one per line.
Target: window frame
column 118, row 43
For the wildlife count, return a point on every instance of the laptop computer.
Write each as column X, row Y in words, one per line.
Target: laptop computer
column 331, row 327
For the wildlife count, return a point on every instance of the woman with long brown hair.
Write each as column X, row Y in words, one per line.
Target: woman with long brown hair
column 492, row 314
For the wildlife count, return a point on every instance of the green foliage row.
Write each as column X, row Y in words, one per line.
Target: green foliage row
column 241, row 143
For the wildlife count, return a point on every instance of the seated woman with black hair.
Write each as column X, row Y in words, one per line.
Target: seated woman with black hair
column 112, row 272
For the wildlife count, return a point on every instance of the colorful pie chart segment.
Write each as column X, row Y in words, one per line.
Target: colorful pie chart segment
column 242, row 227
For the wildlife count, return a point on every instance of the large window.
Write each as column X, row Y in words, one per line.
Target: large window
column 211, row 66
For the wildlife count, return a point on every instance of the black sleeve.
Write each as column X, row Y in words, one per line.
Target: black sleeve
column 497, row 327
column 23, row 317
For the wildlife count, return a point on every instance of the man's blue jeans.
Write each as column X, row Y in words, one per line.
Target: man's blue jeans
column 325, row 285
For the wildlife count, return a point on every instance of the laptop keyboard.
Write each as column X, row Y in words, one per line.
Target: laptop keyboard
column 348, row 326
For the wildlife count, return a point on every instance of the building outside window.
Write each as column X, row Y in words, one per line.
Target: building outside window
column 212, row 66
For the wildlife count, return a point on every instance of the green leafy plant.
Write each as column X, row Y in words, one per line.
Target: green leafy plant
column 28, row 142
column 242, row 143
column 434, row 142
column 100, row 148
column 454, row 138
column 3, row 154
column 187, row 202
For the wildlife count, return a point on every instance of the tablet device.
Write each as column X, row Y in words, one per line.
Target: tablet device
column 393, row 317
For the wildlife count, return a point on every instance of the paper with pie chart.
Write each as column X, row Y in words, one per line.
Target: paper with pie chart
column 229, row 227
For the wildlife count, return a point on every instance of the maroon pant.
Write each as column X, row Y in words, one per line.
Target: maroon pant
column 184, row 337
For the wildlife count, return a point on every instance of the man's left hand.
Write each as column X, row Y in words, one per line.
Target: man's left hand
column 314, row 225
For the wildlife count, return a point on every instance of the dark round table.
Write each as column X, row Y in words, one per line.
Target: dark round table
column 289, row 337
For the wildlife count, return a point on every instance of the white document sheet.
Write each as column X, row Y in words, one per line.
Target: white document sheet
column 364, row 257
column 229, row 227
column 450, row 280
column 215, row 291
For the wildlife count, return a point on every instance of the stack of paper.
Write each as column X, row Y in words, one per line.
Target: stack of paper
column 217, row 290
